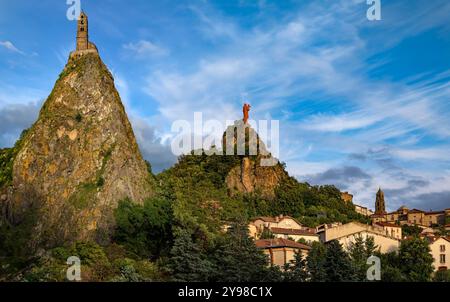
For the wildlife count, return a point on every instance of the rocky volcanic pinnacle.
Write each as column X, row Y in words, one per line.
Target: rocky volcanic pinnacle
column 250, row 176
column 79, row 159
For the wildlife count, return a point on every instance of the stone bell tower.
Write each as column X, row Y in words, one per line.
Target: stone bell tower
column 82, row 32
column 380, row 205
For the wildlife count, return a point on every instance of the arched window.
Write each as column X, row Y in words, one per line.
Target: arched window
column 82, row 29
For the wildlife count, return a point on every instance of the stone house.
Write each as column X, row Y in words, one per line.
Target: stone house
column 346, row 234
column 282, row 251
column 309, row 235
column 440, row 250
column 413, row 217
column 284, row 227
column 390, row 229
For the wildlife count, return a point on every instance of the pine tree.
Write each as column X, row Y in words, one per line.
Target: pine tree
column 315, row 262
column 296, row 270
column 188, row 263
column 359, row 251
column 338, row 266
column 237, row 259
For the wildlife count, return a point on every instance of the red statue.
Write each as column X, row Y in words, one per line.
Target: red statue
column 246, row 109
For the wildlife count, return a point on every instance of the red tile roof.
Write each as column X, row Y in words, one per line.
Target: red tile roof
column 387, row 224
column 279, row 242
column 293, row 231
column 393, row 213
column 432, row 239
column 434, row 212
column 415, row 211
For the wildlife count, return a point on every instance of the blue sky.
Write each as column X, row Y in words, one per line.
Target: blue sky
column 361, row 104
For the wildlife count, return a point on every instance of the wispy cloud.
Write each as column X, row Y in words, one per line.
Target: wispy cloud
column 11, row 47
column 145, row 48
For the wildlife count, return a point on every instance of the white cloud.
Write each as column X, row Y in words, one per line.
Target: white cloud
column 145, row 48
column 11, row 47
column 339, row 123
column 426, row 153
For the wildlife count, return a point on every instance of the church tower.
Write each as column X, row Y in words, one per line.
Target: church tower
column 380, row 206
column 82, row 32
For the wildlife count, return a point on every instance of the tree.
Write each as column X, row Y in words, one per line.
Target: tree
column 411, row 230
column 416, row 260
column 145, row 230
column 338, row 266
column 296, row 270
column 188, row 262
column 289, row 198
column 390, row 267
column 442, row 276
column 315, row 262
column 237, row 259
column 267, row 234
column 360, row 250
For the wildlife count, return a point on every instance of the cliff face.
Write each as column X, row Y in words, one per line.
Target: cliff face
column 251, row 175
column 79, row 158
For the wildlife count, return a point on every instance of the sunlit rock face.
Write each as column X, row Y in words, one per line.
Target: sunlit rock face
column 79, row 159
column 253, row 174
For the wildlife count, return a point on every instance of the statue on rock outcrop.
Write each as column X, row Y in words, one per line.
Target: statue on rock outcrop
column 246, row 110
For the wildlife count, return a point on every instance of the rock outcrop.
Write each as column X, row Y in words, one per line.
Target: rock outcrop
column 79, row 159
column 258, row 172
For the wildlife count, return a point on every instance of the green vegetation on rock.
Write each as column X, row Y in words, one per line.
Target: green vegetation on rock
column 7, row 157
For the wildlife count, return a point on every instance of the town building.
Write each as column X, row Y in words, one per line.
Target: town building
column 282, row 251
column 363, row 210
column 307, row 235
column 386, row 238
column 391, row 230
column 440, row 250
column 347, row 197
column 406, row 216
column 280, row 221
column 284, row 227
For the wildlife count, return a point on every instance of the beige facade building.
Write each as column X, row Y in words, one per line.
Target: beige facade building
column 405, row 216
column 282, row 251
column 280, row 221
column 284, row 227
column 346, row 234
column 391, row 230
column 440, row 250
column 363, row 210
column 347, row 197
column 414, row 217
column 309, row 235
